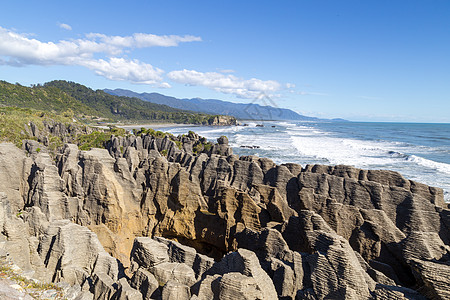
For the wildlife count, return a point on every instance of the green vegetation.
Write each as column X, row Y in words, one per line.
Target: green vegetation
column 118, row 108
column 97, row 139
column 15, row 123
column 152, row 132
column 202, row 146
column 197, row 148
column 73, row 100
column 30, row 286
column 49, row 99
column 31, row 113
column 179, row 144
column 207, row 147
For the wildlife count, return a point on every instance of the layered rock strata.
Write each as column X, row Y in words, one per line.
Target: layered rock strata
column 147, row 218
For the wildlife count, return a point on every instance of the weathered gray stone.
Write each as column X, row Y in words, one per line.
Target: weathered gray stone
column 102, row 286
column 246, row 263
column 145, row 282
column 208, row 288
column 148, row 253
column 183, row 254
column 14, row 170
column 175, row 290
column 235, row 285
column 72, row 252
column 126, row 292
column 180, row 272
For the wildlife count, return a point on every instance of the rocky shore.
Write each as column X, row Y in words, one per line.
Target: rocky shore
column 152, row 218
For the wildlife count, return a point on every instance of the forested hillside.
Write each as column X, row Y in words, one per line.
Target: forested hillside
column 87, row 104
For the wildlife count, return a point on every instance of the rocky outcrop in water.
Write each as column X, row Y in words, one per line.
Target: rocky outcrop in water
column 149, row 218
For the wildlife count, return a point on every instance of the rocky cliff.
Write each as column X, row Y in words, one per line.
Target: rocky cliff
column 150, row 218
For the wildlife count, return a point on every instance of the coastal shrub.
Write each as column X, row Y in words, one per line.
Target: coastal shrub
column 197, row 148
column 151, row 131
column 159, row 134
column 54, row 142
column 97, row 139
column 15, row 123
column 117, row 131
column 207, row 147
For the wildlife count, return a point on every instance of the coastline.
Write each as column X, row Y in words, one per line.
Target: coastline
column 420, row 153
column 130, row 127
column 155, row 125
column 156, row 177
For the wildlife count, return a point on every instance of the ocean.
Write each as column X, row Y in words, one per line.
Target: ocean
column 420, row 152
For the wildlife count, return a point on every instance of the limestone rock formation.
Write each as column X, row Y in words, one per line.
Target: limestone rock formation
column 156, row 217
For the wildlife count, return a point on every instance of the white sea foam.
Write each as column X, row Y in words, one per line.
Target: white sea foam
column 314, row 143
column 441, row 167
column 265, row 142
column 286, row 124
column 209, row 132
column 320, row 145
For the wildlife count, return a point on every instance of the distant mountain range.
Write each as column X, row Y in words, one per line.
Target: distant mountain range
column 251, row 111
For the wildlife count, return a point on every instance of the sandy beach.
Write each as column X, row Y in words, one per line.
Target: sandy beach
column 146, row 126
column 154, row 125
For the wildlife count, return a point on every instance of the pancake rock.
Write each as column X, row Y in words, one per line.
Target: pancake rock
column 159, row 218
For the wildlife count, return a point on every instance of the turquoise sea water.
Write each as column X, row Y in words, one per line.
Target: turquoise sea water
column 420, row 152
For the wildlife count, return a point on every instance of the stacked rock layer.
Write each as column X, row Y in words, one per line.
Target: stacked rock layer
column 128, row 222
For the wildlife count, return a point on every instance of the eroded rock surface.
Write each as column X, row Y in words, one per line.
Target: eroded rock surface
column 150, row 218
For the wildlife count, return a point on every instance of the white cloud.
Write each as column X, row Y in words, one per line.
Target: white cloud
column 128, row 70
column 65, row 26
column 228, row 84
column 227, row 71
column 142, row 40
column 19, row 50
column 290, row 85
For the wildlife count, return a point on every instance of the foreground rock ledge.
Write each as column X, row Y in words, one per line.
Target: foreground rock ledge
column 127, row 222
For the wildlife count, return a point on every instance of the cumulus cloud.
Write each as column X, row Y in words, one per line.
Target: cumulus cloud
column 20, row 50
column 65, row 26
column 227, row 71
column 228, row 84
column 142, row 40
column 129, row 70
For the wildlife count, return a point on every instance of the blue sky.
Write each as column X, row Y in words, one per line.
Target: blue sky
column 359, row 60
